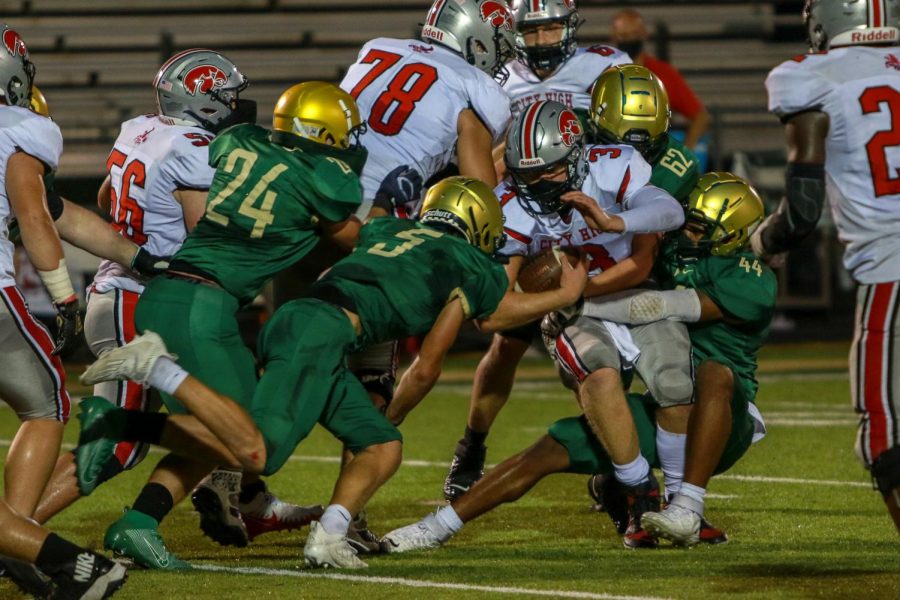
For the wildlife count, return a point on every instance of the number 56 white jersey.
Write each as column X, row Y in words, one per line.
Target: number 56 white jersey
column 859, row 88
column 411, row 94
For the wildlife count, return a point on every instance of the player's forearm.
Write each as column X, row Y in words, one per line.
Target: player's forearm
column 623, row 276
column 86, row 230
column 639, row 307
column 799, row 211
column 517, row 309
column 414, row 385
column 652, row 210
column 41, row 241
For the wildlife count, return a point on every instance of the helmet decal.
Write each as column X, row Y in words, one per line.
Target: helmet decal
column 529, row 137
column 435, row 12
column 14, row 43
column 570, row 4
column 497, row 14
column 203, row 79
column 569, row 127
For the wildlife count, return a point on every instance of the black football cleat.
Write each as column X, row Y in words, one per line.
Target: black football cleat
column 641, row 499
column 25, row 575
column 610, row 497
column 710, row 534
column 466, row 469
column 89, row 577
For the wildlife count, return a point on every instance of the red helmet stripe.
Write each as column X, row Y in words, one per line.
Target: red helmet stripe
column 529, row 144
column 435, row 12
column 535, row 5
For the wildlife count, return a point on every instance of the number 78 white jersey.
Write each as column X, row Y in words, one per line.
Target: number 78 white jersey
column 859, row 88
column 411, row 94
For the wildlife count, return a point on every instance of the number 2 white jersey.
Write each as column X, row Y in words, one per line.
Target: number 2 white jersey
column 22, row 131
column 152, row 157
column 411, row 93
column 616, row 173
column 571, row 84
column 859, row 88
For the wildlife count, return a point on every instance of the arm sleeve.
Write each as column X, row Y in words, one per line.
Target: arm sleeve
column 483, row 290
column 41, row 138
column 338, row 188
column 794, row 86
column 638, row 307
column 491, row 103
column 190, row 168
column 651, row 210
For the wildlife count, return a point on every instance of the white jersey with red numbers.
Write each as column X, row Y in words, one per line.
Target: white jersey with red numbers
column 22, row 131
column 859, row 88
column 616, row 173
column 410, row 93
column 152, row 157
column 570, row 84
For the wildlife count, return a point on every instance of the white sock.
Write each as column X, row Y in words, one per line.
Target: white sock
column 691, row 497
column 670, row 450
column 335, row 519
column 448, row 519
column 634, row 473
column 166, row 375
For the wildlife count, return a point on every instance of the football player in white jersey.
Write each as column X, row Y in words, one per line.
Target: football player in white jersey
column 841, row 108
column 33, row 381
column 550, row 65
column 552, row 173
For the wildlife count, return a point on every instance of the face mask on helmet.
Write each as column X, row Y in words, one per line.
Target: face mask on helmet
column 541, row 196
column 548, row 57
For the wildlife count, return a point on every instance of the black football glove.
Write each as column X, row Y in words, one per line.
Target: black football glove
column 148, row 265
column 401, row 186
column 68, row 326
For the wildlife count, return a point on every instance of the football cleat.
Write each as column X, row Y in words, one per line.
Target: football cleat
column 424, row 535
column 361, row 537
column 94, row 451
column 266, row 513
column 216, row 499
column 609, row 497
column 675, row 523
column 134, row 536
column 91, row 577
column 325, row 549
column 466, row 469
column 710, row 534
column 132, row 361
column 641, row 499
column 25, row 575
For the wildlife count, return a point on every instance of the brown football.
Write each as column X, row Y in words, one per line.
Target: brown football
column 542, row 271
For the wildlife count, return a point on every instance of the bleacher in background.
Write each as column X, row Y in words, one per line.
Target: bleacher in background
column 96, row 58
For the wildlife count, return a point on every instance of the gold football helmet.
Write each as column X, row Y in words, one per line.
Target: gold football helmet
column 629, row 105
column 320, row 112
column 38, row 102
column 724, row 209
column 469, row 208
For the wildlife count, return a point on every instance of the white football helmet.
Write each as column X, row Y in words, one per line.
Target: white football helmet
column 16, row 69
column 202, row 86
column 832, row 23
column 482, row 31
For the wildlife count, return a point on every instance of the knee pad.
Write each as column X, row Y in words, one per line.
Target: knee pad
column 672, row 386
column 886, row 471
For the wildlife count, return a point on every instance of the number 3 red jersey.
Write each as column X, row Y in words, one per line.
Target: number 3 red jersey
column 859, row 88
column 411, row 94
column 152, row 158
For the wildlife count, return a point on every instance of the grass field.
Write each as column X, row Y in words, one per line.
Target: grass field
column 803, row 520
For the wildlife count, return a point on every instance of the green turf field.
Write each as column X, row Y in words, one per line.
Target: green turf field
column 803, row 520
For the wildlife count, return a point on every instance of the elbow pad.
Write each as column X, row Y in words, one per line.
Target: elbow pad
column 800, row 209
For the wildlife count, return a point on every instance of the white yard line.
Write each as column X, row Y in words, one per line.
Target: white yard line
column 418, row 583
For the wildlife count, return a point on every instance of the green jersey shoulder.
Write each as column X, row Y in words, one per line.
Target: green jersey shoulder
column 676, row 171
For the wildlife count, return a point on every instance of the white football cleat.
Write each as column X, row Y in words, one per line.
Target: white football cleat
column 679, row 525
column 216, row 499
column 325, row 549
column 132, row 361
column 266, row 513
column 424, row 535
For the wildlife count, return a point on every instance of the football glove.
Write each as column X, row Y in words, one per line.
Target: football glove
column 147, row 264
column 68, row 326
column 401, row 186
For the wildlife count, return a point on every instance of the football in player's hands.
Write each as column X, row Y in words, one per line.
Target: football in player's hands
column 542, row 271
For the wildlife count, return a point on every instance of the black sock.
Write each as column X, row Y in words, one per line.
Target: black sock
column 474, row 439
column 56, row 553
column 143, row 427
column 154, row 501
column 249, row 491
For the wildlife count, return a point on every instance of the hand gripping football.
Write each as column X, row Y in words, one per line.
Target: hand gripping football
column 542, row 271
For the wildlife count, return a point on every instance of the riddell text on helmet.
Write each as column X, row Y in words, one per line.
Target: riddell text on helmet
column 875, row 35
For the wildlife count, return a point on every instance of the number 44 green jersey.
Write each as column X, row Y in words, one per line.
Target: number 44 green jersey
column 262, row 208
column 401, row 275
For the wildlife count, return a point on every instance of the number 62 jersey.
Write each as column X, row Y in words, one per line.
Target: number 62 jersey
column 411, row 94
column 859, row 88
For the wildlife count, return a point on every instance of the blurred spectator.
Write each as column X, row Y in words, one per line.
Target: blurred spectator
column 629, row 33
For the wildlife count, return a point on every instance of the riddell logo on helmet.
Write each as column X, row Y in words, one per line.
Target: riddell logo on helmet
column 14, row 43
column 203, row 79
column 887, row 34
column 569, row 127
column 435, row 34
column 498, row 15
column 531, row 162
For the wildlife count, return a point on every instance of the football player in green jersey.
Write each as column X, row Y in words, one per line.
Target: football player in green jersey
column 404, row 278
column 273, row 195
column 728, row 296
column 629, row 105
